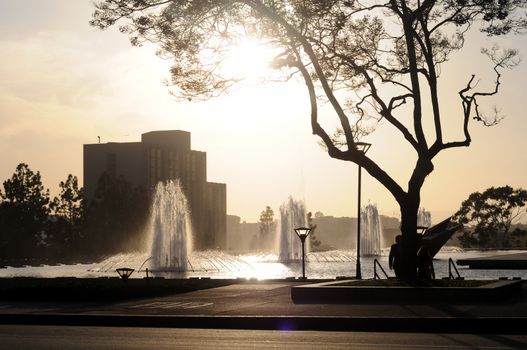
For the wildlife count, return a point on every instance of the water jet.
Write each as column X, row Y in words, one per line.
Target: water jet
column 292, row 215
column 171, row 228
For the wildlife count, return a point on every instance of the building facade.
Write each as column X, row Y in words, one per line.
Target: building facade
column 160, row 156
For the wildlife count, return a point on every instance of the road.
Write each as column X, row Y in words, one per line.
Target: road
column 97, row 338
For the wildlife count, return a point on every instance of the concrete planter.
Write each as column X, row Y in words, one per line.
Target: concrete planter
column 343, row 292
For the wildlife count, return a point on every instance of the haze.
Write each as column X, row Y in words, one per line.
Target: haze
column 64, row 83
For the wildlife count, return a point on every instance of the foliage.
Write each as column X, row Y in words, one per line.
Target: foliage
column 24, row 211
column 116, row 216
column 313, row 241
column 267, row 224
column 319, row 214
column 34, row 226
column 267, row 227
column 69, row 203
column 369, row 61
column 68, row 213
column 490, row 215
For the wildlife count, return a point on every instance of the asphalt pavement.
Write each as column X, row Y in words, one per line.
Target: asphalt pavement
column 268, row 305
column 115, row 338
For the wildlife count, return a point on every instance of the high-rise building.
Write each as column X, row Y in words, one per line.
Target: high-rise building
column 160, row 156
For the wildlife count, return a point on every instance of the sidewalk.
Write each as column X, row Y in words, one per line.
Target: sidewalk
column 268, row 305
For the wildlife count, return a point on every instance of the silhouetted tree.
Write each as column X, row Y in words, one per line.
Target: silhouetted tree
column 67, row 213
column 383, row 58
column 266, row 221
column 319, row 215
column 24, row 211
column 267, row 227
column 313, row 241
column 490, row 215
column 116, row 216
column 519, row 237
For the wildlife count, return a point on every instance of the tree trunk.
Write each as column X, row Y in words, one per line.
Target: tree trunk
column 409, row 210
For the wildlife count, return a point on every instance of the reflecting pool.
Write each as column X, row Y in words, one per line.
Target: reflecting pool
column 218, row 264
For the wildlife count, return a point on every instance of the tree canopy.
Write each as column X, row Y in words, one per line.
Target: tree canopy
column 490, row 215
column 267, row 221
column 24, row 212
column 116, row 216
column 368, row 60
column 267, row 227
column 69, row 203
column 67, row 211
column 33, row 226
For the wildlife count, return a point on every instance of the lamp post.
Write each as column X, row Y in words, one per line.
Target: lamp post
column 302, row 233
column 362, row 147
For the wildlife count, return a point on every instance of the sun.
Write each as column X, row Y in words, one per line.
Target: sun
column 249, row 60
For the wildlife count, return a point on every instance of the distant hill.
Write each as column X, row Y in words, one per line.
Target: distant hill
column 516, row 239
column 341, row 232
column 332, row 232
column 522, row 227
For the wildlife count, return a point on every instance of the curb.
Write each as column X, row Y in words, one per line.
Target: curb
column 478, row 325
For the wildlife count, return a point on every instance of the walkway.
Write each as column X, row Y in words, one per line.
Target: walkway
column 268, row 305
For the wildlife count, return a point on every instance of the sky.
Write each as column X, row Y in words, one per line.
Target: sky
column 63, row 83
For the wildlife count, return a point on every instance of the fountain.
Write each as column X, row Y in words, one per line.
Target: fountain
column 371, row 231
column 293, row 215
column 171, row 228
column 424, row 218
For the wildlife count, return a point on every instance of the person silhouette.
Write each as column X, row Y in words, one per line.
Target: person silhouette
column 425, row 265
column 394, row 259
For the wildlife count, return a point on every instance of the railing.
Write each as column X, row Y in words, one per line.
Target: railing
column 375, row 274
column 452, row 264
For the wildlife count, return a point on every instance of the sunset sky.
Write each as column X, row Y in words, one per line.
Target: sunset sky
column 63, row 83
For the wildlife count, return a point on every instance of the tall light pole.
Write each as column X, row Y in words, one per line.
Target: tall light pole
column 302, row 233
column 361, row 147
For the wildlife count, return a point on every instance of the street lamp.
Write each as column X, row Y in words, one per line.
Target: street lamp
column 302, row 233
column 362, row 147
column 124, row 272
column 421, row 230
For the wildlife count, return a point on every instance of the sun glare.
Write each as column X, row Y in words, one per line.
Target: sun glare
column 249, row 60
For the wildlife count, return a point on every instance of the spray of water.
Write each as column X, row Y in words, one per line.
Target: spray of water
column 424, row 218
column 171, row 228
column 371, row 231
column 292, row 215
